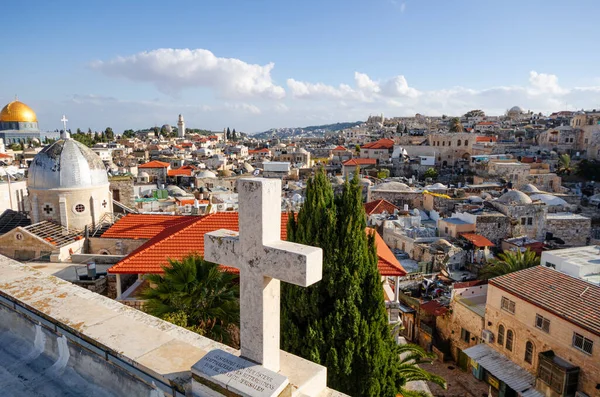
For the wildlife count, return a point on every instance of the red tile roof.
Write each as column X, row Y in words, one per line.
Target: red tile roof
column 5, row 156
column 339, row 148
column 467, row 284
column 478, row 240
column 189, row 201
column 434, row 307
column 570, row 298
column 155, row 164
column 380, row 144
column 186, row 170
column 360, row 162
column 379, row 206
column 136, row 226
column 186, row 235
column 387, row 264
column 486, row 123
column 485, row 139
column 263, row 150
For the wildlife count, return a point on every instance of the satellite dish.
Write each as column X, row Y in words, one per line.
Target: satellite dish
column 256, row 172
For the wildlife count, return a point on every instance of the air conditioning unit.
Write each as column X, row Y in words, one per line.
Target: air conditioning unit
column 487, row 336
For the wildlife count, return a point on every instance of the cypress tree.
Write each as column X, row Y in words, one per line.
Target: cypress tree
column 341, row 322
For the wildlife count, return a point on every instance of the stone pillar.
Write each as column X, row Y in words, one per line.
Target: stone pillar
column 35, row 209
column 93, row 212
column 118, row 286
column 396, row 288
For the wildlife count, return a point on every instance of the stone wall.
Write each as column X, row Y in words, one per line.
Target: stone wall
column 122, row 191
column 113, row 246
column 99, row 286
column 559, row 339
column 449, row 327
column 494, row 227
column 575, row 230
column 398, row 198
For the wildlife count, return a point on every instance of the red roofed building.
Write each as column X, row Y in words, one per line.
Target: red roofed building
column 260, row 153
column 349, row 167
column 157, row 170
column 184, row 171
column 379, row 207
column 381, row 150
column 486, row 126
column 340, row 154
column 184, row 235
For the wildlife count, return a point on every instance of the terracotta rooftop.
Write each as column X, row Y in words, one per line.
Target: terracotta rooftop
column 360, row 162
column 570, row 298
column 380, row 144
column 185, row 235
column 186, row 170
column 134, row 226
column 485, row 139
column 477, row 240
column 379, row 206
column 339, row 148
column 155, row 164
column 388, row 264
column 434, row 307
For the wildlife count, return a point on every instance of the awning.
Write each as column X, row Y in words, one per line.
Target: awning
column 477, row 240
column 497, row 364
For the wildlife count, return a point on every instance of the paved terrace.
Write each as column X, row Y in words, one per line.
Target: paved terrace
column 57, row 339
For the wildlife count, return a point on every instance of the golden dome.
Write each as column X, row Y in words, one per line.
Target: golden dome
column 19, row 112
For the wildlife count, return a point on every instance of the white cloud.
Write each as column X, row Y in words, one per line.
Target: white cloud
column 542, row 83
column 172, row 70
column 244, row 107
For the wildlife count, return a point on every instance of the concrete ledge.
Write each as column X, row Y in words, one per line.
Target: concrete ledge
column 154, row 351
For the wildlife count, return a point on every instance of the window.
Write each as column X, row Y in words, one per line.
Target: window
column 529, row 352
column 444, row 143
column 582, row 343
column 446, row 230
column 466, row 142
column 552, row 372
column 465, row 335
column 523, row 221
column 508, row 305
column 458, row 143
column 509, row 339
column 529, row 221
column 80, row 208
column 501, row 335
column 542, row 323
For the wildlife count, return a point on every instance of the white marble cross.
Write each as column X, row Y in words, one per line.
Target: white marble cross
column 263, row 260
column 64, row 121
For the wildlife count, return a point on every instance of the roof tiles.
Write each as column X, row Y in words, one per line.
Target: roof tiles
column 379, row 206
column 570, row 298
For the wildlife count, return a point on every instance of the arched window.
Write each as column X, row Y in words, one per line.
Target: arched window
column 509, row 339
column 458, row 143
column 466, row 142
column 501, row 335
column 529, row 352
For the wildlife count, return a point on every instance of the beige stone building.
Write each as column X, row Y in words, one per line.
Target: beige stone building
column 547, row 324
column 452, row 147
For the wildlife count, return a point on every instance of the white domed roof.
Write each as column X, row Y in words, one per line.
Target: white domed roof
column 66, row 164
column 549, row 200
column 514, row 197
column 303, row 151
column 143, row 174
column 365, row 182
column 394, row 186
column 516, row 109
column 206, row 174
column 475, row 199
column 529, row 188
column 436, row 186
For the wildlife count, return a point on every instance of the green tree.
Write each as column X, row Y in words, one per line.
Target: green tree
column 110, row 135
column 475, row 113
column 455, row 125
column 399, row 129
column 508, row 262
column 405, row 130
column 589, row 169
column 410, row 357
column 78, row 130
column 198, row 295
column 344, row 328
column 383, row 173
column 228, row 134
column 16, row 146
column 234, row 136
column 357, row 149
column 564, row 164
column 431, row 173
column 128, row 134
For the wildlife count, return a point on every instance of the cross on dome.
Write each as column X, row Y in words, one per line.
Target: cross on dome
column 263, row 260
column 48, row 209
column 104, row 203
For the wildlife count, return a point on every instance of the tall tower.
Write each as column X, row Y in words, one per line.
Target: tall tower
column 181, row 127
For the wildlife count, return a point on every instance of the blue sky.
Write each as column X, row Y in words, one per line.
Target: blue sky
column 259, row 64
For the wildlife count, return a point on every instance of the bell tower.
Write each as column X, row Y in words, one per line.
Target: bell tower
column 181, row 127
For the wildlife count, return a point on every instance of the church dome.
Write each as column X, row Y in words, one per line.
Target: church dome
column 66, row 164
column 18, row 112
column 399, row 186
column 529, row 188
column 516, row 110
column 514, row 197
column 206, row 174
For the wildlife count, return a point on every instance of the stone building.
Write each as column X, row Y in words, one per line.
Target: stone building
column 572, row 229
column 68, row 185
column 526, row 217
column 157, row 170
column 452, row 147
column 546, row 326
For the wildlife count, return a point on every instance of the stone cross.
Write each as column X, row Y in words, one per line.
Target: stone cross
column 64, row 121
column 263, row 260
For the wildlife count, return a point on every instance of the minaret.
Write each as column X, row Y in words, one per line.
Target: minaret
column 181, row 127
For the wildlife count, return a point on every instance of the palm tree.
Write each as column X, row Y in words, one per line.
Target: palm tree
column 564, row 164
column 508, row 262
column 455, row 125
column 197, row 295
column 409, row 371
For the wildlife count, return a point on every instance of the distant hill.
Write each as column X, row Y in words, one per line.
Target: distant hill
column 313, row 130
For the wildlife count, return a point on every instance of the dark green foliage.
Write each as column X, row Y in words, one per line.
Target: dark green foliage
column 589, row 169
column 430, row 173
column 341, row 322
column 455, row 125
column 508, row 262
column 197, row 295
